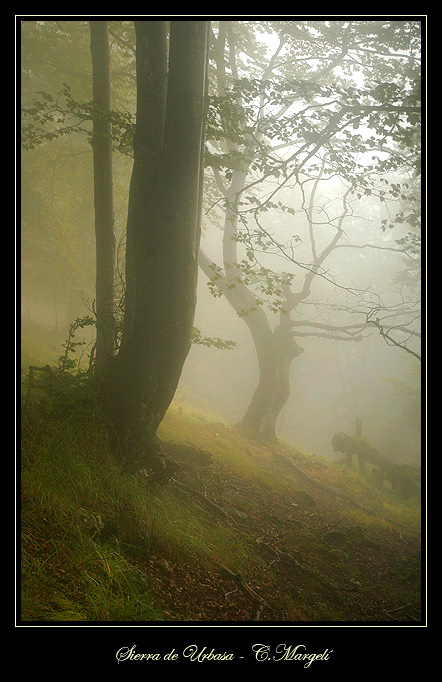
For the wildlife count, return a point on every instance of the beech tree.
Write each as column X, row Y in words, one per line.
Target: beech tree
column 139, row 367
column 58, row 251
column 286, row 102
column 163, row 230
column 277, row 124
column 103, row 193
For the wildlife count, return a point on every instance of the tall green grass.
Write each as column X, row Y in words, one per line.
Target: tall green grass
column 86, row 525
column 90, row 531
column 78, row 514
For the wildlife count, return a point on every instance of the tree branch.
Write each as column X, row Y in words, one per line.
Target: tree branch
column 388, row 338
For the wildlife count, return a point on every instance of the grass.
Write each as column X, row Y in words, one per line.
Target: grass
column 74, row 498
column 98, row 544
column 84, row 523
column 88, row 529
column 229, row 449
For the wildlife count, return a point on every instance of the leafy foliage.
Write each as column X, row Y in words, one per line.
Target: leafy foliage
column 67, row 362
column 331, row 100
column 50, row 118
column 213, row 342
column 67, row 388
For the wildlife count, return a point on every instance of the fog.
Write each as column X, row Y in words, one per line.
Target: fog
column 220, row 326
column 333, row 381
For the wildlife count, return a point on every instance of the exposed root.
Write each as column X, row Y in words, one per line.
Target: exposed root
column 338, row 495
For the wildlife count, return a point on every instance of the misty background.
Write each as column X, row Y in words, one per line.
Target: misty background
column 333, row 382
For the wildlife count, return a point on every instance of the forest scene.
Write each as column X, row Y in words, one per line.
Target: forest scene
column 220, row 321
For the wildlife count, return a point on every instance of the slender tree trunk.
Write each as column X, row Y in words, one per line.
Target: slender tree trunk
column 55, row 309
column 163, row 229
column 103, row 192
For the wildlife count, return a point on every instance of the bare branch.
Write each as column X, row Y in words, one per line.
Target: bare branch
column 329, row 327
column 335, row 337
column 387, row 335
column 374, row 246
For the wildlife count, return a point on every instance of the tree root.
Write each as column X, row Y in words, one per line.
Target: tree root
column 278, row 554
column 219, row 511
column 317, row 484
column 239, row 582
column 337, row 494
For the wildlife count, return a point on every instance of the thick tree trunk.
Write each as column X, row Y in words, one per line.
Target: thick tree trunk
column 275, row 352
column 103, row 193
column 273, row 389
column 163, row 224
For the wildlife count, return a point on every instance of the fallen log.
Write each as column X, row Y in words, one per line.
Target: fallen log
column 365, row 452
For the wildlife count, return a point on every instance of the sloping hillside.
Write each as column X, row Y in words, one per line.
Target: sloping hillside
column 242, row 532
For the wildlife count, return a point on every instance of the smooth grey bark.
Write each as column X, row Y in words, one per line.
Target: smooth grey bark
column 163, row 229
column 103, row 193
column 275, row 349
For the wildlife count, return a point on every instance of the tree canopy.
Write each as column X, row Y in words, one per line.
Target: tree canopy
column 312, row 162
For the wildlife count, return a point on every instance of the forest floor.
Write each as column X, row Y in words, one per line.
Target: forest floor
column 318, row 557
column 243, row 532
